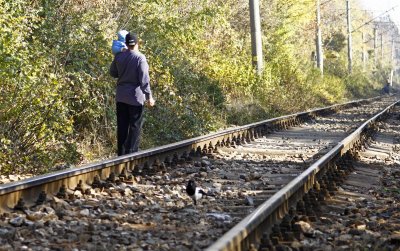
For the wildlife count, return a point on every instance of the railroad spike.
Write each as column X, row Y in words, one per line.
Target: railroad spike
column 167, row 161
column 185, row 156
column 265, row 243
column 210, row 148
column 198, row 151
column 136, row 170
column 233, row 142
column 204, row 150
column 286, row 223
column 293, row 215
column 300, row 208
column 192, row 153
column 175, row 159
column 228, row 142
column 182, row 160
column 62, row 193
column 321, row 197
column 123, row 175
column 79, row 186
column 276, row 234
column 162, row 168
column 111, row 178
column 238, row 140
column 146, row 168
column 42, row 198
column 96, row 182
column 20, row 205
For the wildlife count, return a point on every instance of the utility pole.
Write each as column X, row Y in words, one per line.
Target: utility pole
column 320, row 56
column 349, row 45
column 392, row 63
column 381, row 47
column 392, row 52
column 375, row 46
column 363, row 55
column 256, row 43
column 363, row 42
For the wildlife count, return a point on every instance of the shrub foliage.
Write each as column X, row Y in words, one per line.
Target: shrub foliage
column 57, row 102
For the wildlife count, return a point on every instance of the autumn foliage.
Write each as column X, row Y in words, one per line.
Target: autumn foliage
column 57, row 103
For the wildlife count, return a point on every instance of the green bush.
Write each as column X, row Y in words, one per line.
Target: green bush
column 57, row 104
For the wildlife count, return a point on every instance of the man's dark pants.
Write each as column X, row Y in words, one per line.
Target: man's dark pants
column 129, row 125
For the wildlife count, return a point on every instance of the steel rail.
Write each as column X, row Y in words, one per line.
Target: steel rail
column 29, row 189
column 250, row 229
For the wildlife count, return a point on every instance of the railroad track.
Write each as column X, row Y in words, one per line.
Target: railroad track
column 359, row 211
column 363, row 211
column 138, row 201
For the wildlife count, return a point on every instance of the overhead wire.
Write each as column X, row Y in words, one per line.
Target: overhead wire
column 380, row 34
column 369, row 21
column 366, row 23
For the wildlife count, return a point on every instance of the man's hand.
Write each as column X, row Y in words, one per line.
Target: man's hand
column 151, row 102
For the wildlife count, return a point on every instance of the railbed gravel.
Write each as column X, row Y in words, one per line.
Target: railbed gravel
column 364, row 214
column 154, row 212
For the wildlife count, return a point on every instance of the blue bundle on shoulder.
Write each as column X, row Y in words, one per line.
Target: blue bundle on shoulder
column 119, row 45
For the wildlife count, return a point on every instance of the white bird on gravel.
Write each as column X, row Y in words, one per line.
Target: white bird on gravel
column 196, row 193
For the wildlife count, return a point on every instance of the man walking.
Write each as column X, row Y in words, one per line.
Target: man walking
column 133, row 90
